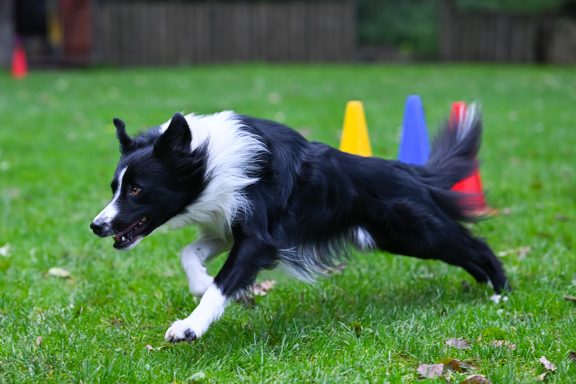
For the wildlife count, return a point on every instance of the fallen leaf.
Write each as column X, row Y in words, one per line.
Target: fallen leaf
column 430, row 371
column 458, row 365
column 149, row 347
column 262, row 288
column 59, row 272
column 547, row 364
column 542, row 377
column 5, row 250
column 521, row 252
column 572, row 355
column 39, row 340
column 476, row 379
column 504, row 343
column 570, row 298
column 458, row 343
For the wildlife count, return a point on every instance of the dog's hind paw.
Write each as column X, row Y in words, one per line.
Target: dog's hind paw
column 180, row 331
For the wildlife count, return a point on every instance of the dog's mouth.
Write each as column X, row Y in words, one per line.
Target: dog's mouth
column 131, row 234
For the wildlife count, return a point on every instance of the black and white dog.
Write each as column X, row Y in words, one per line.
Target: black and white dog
column 269, row 197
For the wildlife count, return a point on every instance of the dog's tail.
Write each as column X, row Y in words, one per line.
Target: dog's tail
column 452, row 158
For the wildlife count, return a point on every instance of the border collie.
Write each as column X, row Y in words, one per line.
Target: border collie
column 267, row 196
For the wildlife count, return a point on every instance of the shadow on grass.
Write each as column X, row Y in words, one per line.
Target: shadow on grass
column 309, row 317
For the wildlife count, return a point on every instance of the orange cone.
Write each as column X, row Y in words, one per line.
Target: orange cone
column 19, row 62
column 471, row 186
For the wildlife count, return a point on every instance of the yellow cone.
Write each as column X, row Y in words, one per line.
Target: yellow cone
column 355, row 138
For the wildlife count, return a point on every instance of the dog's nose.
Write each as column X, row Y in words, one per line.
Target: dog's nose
column 98, row 229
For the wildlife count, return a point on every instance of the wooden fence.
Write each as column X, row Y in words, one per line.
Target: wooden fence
column 489, row 37
column 155, row 33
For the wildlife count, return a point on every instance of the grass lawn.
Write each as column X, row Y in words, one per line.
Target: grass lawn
column 375, row 322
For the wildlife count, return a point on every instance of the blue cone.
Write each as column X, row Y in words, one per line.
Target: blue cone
column 415, row 146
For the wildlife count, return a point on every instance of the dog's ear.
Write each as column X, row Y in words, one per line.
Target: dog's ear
column 176, row 138
column 123, row 138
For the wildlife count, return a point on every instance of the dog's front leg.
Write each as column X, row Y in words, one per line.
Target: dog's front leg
column 247, row 257
column 193, row 258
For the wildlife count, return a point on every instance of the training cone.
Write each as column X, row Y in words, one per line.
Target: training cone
column 355, row 137
column 414, row 145
column 472, row 185
column 19, row 63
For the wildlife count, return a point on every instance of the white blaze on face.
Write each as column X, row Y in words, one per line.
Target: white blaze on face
column 110, row 211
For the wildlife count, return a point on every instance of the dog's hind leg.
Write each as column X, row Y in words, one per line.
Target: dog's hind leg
column 414, row 230
column 473, row 255
column 193, row 258
column 481, row 256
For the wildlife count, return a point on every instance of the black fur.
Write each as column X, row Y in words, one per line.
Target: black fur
column 311, row 197
column 310, row 202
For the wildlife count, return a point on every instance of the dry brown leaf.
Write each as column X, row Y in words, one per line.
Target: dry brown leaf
column 262, row 288
column 570, row 298
column 521, row 252
column 458, row 343
column 458, row 365
column 476, row 379
column 547, row 364
column 431, row 371
column 59, row 272
column 504, row 343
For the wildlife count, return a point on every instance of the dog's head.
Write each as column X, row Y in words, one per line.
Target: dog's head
column 157, row 177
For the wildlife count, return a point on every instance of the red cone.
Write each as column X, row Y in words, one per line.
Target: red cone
column 472, row 185
column 19, row 63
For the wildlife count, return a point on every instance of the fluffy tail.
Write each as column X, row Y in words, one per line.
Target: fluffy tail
column 453, row 158
column 454, row 150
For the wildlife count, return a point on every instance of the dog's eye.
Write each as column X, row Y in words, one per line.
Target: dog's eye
column 134, row 191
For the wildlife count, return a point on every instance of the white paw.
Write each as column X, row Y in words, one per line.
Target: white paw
column 180, row 330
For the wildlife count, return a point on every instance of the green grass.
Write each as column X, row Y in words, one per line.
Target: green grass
column 376, row 322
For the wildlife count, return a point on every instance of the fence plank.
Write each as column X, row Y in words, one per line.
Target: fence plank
column 155, row 33
column 476, row 36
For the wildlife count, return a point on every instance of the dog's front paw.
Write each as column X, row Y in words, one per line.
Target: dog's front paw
column 180, row 331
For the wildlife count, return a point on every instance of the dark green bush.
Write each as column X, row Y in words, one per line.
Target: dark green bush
column 410, row 25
